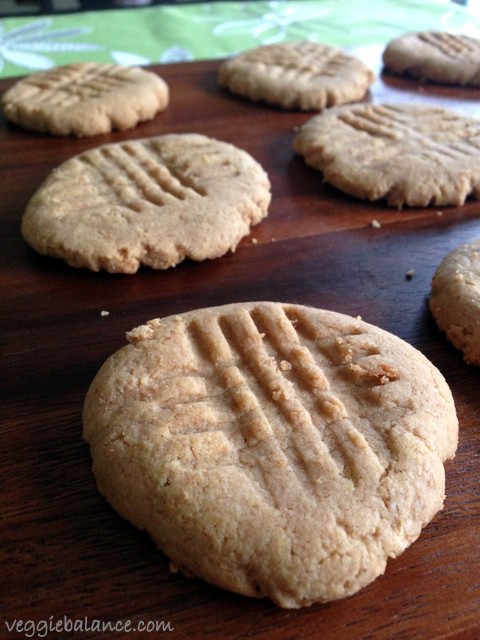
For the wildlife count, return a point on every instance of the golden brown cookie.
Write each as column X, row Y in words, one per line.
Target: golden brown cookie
column 445, row 58
column 297, row 75
column 272, row 449
column 154, row 201
column 455, row 299
column 406, row 154
column 85, row 99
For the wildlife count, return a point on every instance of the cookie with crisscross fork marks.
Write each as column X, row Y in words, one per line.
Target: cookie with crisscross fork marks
column 272, row 449
column 407, row 154
column 85, row 99
column 153, row 201
column 455, row 299
column 445, row 58
column 297, row 75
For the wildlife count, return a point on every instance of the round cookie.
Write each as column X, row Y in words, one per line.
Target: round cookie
column 297, row 75
column 272, row 449
column 85, row 99
column 154, row 201
column 438, row 56
column 407, row 154
column 455, row 299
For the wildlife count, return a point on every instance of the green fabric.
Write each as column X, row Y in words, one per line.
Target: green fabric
column 169, row 33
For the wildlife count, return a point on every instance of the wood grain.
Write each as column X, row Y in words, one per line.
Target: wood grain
column 63, row 551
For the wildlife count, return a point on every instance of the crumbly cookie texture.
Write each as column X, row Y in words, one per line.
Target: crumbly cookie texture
column 297, row 75
column 153, row 201
column 406, row 154
column 438, row 56
column 455, row 299
column 272, row 449
column 85, row 99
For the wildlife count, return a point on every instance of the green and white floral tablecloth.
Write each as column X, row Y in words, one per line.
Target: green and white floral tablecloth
column 169, row 33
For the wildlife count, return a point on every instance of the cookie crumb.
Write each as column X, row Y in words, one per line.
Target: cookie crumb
column 410, row 273
column 104, row 313
column 139, row 334
column 173, row 567
column 375, row 224
column 254, row 240
column 439, row 213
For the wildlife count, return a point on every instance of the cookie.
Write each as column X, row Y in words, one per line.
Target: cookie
column 406, row 154
column 297, row 75
column 85, row 99
column 272, row 449
column 440, row 57
column 455, row 299
column 153, row 201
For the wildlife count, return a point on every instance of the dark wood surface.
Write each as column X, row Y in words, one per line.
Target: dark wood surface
column 64, row 551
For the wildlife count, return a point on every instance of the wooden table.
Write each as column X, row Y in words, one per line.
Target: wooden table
column 66, row 555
